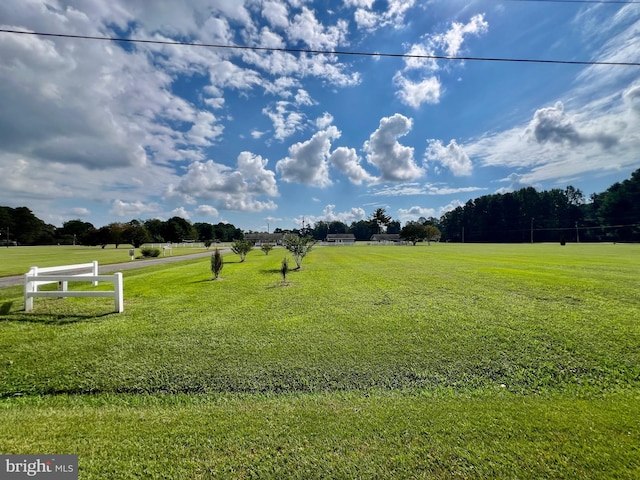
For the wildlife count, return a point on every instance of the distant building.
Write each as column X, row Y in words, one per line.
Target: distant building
column 260, row 239
column 341, row 239
column 386, row 238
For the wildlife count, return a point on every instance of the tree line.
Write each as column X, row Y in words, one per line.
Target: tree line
column 24, row 228
column 521, row 216
column 555, row 215
column 524, row 215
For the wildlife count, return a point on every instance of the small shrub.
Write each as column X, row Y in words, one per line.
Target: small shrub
column 207, row 243
column 150, row 252
column 266, row 248
column 216, row 264
column 284, row 269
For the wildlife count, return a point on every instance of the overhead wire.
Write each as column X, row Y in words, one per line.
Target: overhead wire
column 319, row 51
column 605, row 2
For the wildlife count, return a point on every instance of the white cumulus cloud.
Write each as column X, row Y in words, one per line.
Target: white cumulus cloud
column 308, row 162
column 415, row 93
column 229, row 189
column 120, row 208
column 451, row 41
column 207, row 211
column 451, row 156
column 394, row 160
column 414, row 213
column 329, row 214
column 347, row 161
column 285, row 120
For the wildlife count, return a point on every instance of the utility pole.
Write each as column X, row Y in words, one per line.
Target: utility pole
column 7, row 237
column 532, row 229
column 577, row 234
column 462, row 234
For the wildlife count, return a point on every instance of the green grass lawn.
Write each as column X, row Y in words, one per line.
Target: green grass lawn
column 18, row 260
column 472, row 361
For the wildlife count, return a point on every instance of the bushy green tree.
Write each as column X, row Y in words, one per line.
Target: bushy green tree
column 413, row 232
column 241, row 248
column 135, row 233
column 116, row 233
column 266, row 248
column 298, row 246
column 431, row 233
column 380, row 219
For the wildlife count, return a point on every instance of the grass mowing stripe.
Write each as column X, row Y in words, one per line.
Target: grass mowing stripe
column 337, row 435
column 378, row 317
column 475, row 361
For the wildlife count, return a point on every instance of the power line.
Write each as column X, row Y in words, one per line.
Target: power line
column 612, row 2
column 323, row 52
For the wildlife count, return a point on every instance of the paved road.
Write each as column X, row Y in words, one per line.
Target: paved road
column 118, row 267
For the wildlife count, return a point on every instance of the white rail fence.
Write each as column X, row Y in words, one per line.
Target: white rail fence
column 64, row 274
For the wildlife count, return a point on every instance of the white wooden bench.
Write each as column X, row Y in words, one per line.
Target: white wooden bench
column 62, row 275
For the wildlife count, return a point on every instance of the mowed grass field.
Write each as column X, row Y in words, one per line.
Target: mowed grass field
column 18, row 260
column 464, row 361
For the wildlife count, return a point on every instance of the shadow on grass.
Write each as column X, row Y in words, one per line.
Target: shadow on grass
column 208, row 280
column 276, row 271
column 5, row 308
column 45, row 316
column 279, row 285
column 270, row 271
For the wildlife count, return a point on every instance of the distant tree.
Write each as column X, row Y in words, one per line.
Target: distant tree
column 25, row 228
column 135, row 233
column 206, row 231
column 242, row 248
column 574, row 195
column 116, row 233
column 100, row 236
column 320, row 230
column 363, row 229
column 431, row 233
column 379, row 219
column 75, row 230
column 216, row 264
column 413, row 232
column 227, row 232
column 266, row 248
column 620, row 205
column 337, row 227
column 298, row 246
column 177, row 230
column 393, row 227
column 156, row 228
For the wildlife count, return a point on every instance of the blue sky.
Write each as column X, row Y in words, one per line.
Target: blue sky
column 106, row 131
